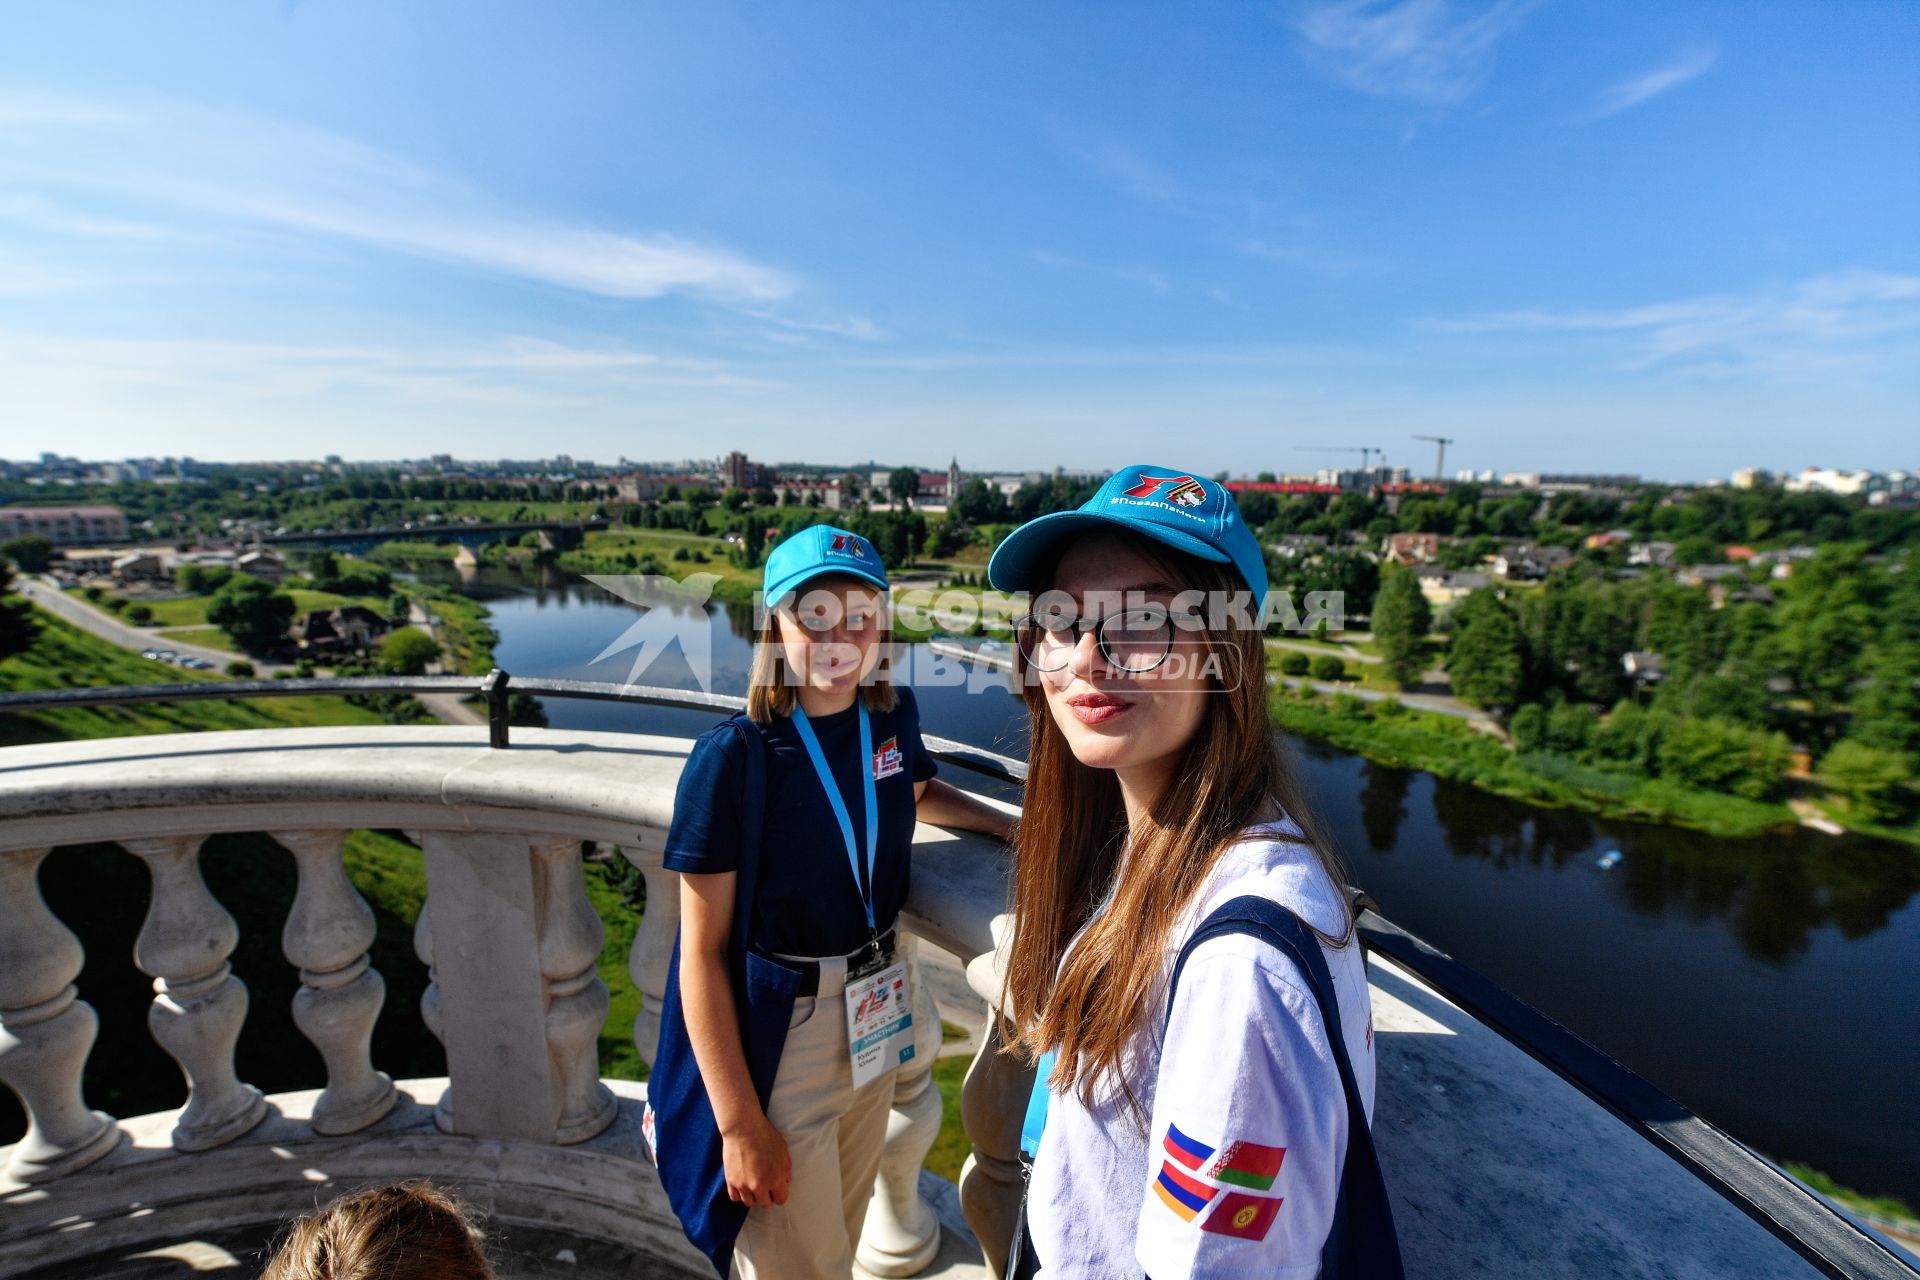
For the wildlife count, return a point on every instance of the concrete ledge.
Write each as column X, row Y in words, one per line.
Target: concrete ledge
column 603, row 1191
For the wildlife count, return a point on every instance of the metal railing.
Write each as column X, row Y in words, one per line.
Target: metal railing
column 1828, row 1239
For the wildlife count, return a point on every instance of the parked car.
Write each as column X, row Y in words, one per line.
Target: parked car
column 196, row 664
column 165, row 655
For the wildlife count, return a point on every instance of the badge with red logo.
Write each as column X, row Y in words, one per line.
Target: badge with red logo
column 848, row 544
column 888, row 761
column 1185, row 491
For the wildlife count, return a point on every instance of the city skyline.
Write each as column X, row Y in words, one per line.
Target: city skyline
column 1673, row 241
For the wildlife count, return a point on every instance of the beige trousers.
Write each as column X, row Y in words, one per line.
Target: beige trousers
column 834, row 1134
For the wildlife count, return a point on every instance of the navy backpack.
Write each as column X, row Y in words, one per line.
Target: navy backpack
column 686, row 1137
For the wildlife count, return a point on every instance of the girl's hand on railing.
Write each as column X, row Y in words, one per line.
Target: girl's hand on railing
column 759, row 1170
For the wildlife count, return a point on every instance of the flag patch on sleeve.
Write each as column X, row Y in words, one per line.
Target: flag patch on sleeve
column 1248, row 1164
column 1177, row 1188
column 1180, row 1192
column 1243, row 1216
column 1186, row 1150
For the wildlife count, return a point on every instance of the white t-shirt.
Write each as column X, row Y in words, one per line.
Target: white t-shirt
column 1239, row 1168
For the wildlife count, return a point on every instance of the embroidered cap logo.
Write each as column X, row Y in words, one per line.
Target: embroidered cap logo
column 1186, row 491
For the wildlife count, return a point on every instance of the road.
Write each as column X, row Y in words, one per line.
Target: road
column 1423, row 701
column 47, row 594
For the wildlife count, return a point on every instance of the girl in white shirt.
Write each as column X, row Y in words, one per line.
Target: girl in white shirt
column 1156, row 791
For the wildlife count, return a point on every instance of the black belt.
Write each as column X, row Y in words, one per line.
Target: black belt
column 810, row 969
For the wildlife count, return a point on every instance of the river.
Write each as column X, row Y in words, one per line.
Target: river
column 1772, row 985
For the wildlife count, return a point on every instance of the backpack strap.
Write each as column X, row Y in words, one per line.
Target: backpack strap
column 753, row 822
column 1361, row 1242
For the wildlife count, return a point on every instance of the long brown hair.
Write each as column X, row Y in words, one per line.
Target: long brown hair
column 405, row 1231
column 1090, row 1003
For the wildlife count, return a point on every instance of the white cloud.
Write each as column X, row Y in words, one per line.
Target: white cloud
column 1430, row 52
column 179, row 159
column 1648, row 85
column 45, row 215
column 1823, row 323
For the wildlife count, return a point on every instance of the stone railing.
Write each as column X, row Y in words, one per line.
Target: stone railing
column 508, row 934
column 1496, row 1163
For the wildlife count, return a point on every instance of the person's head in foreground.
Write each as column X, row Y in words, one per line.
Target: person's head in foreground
column 825, row 627
column 407, row 1231
column 1151, row 751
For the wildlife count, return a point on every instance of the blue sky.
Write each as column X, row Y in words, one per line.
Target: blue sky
column 1668, row 238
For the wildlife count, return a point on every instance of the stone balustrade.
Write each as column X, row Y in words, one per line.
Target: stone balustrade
column 508, row 935
column 1496, row 1165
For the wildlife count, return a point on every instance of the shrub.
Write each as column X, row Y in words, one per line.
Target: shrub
column 139, row 615
column 1529, row 728
column 407, row 652
column 1872, row 779
column 240, row 667
column 1294, row 664
column 1719, row 755
column 1328, row 667
column 1569, row 728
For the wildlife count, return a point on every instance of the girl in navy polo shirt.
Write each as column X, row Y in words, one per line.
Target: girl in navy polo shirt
column 846, row 779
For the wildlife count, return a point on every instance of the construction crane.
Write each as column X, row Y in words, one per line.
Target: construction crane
column 1439, row 463
column 1366, row 451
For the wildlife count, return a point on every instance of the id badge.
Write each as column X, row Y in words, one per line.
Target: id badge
column 879, row 1023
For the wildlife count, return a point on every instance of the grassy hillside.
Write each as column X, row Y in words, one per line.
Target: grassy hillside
column 65, row 657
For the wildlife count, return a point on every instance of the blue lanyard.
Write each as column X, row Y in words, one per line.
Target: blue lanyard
column 839, row 803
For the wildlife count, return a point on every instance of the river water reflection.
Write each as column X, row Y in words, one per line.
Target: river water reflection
column 1773, row 985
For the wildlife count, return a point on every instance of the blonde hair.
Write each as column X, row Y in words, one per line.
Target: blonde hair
column 1091, row 1002
column 405, row 1231
column 772, row 686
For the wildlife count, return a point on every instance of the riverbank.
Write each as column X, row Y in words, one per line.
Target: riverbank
column 1391, row 733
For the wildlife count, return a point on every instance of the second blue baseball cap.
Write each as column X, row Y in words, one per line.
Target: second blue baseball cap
column 1176, row 508
column 816, row 550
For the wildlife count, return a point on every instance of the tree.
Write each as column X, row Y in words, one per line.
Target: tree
column 903, row 485
column 1485, row 659
column 1401, row 620
column 251, row 612
column 32, row 553
column 1871, row 778
column 18, row 626
column 735, row 499
column 1294, row 663
column 1887, row 713
column 408, row 652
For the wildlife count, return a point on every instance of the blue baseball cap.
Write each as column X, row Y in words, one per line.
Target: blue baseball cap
column 816, row 550
column 1176, row 508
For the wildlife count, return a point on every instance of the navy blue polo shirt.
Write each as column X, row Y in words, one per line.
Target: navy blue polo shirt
column 807, row 904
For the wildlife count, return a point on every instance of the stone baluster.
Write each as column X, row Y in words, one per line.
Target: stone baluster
column 198, row 1005
column 327, row 935
column 46, row 1030
column 993, row 1101
column 902, row 1233
column 571, row 936
column 653, row 945
column 487, row 1003
column 430, row 998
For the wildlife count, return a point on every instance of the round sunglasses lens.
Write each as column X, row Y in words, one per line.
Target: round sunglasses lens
column 1137, row 640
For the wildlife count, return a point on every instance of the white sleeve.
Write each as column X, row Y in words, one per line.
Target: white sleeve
column 1249, row 1125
